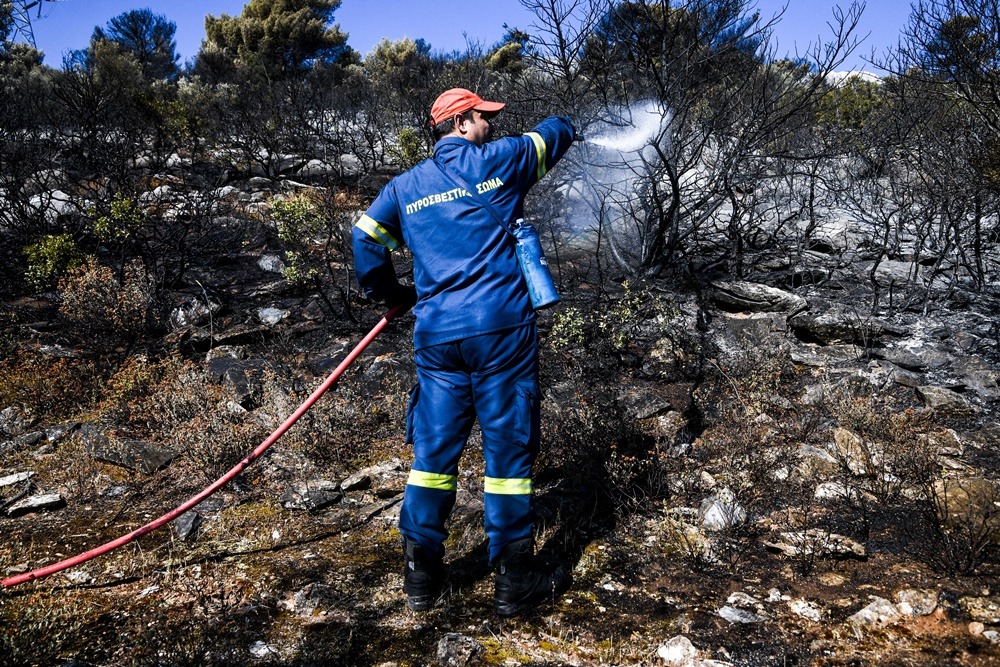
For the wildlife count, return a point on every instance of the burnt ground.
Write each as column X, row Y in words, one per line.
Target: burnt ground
column 263, row 584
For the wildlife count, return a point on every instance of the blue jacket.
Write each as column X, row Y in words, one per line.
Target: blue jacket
column 465, row 272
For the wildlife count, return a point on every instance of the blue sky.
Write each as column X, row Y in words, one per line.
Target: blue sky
column 68, row 24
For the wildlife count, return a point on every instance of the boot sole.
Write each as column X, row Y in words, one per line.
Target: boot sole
column 420, row 602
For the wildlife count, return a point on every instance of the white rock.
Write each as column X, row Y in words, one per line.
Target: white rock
column 79, row 577
column 261, row 650
column 913, row 602
column 271, row 263
column 678, row 652
column 993, row 636
column 721, row 511
column 807, row 610
column 735, row 615
column 272, row 315
column 741, row 599
column 16, row 478
column 879, row 613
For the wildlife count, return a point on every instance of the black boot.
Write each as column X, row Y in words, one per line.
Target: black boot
column 522, row 582
column 422, row 577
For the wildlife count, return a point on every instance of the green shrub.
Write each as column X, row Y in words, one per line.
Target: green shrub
column 122, row 222
column 409, row 149
column 50, row 258
column 298, row 218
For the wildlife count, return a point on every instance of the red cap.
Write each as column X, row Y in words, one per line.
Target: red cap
column 460, row 100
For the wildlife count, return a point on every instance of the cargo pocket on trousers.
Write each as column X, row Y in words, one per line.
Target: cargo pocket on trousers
column 527, row 429
column 408, row 432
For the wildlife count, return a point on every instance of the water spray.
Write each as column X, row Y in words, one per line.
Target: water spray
column 222, row 481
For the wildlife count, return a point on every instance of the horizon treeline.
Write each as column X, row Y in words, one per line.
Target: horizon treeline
column 117, row 160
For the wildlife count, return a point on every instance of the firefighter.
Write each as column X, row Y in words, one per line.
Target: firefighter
column 475, row 339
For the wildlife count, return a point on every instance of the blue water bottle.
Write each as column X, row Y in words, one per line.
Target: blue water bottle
column 541, row 288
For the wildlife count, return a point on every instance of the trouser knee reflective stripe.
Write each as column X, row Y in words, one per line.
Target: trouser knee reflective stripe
column 439, row 420
column 508, row 409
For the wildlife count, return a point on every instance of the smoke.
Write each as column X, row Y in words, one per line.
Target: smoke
column 638, row 126
column 609, row 168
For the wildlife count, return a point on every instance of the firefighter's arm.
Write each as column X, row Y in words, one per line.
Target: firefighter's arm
column 373, row 244
column 550, row 140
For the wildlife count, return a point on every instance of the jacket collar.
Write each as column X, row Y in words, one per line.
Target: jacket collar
column 446, row 142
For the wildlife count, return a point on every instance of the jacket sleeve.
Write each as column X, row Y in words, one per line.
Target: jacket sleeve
column 550, row 140
column 373, row 241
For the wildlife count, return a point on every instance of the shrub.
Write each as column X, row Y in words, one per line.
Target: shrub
column 104, row 308
column 298, row 218
column 50, row 258
column 122, row 222
column 409, row 149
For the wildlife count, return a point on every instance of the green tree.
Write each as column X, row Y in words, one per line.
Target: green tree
column 280, row 38
column 148, row 37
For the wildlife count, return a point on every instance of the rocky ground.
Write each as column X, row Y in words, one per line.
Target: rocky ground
column 757, row 472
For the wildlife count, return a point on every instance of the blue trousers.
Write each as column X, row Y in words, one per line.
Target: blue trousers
column 493, row 377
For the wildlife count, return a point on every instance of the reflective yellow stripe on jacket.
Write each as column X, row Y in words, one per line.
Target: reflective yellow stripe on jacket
column 507, row 486
column 373, row 229
column 433, row 480
column 541, row 150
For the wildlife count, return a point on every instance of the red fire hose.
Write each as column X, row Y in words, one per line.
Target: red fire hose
column 222, row 481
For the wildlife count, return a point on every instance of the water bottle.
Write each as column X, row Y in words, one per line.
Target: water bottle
column 541, row 288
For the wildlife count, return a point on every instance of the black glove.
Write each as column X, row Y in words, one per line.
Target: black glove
column 403, row 295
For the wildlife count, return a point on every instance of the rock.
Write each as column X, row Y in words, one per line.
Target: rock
column 457, row 650
column 976, row 628
column 185, row 526
column 816, row 542
column 678, row 652
column 721, row 511
column 262, row 650
column 834, row 491
column 16, row 478
column 741, row 599
column 736, row 615
column 317, row 168
column 36, row 503
column 941, row 398
column 314, row 604
column 992, row 635
column 57, row 433
column 241, row 335
column 817, row 462
column 915, row 356
column 14, row 420
column 22, row 442
column 138, row 455
column 968, row 504
column 827, row 355
column 642, row 404
column 271, row 264
column 807, row 610
column 194, row 312
column 854, row 451
column 913, row 602
column 837, row 325
column 386, row 479
column 79, row 577
column 272, row 315
column 54, row 204
column 244, row 377
column 982, row 609
column 878, row 614
column 312, row 496
column 755, row 297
